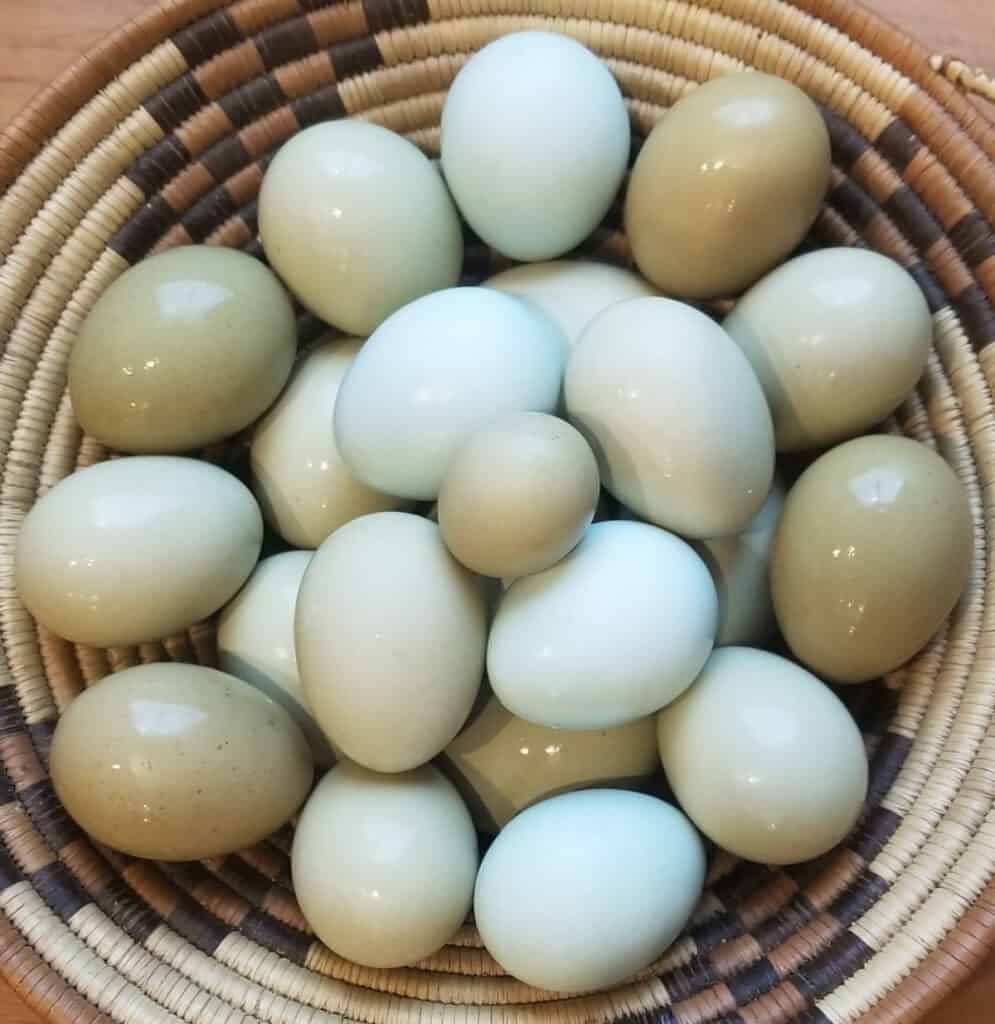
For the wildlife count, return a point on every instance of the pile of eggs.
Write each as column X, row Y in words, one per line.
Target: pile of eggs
column 541, row 545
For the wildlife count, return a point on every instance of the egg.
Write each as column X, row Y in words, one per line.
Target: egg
column 518, row 495
column 571, row 292
column 183, row 350
column 178, row 762
column 610, row 634
column 791, row 778
column 358, row 222
column 384, row 865
column 740, row 568
column 872, row 553
column 838, row 338
column 535, row 142
column 256, row 640
column 390, row 633
column 435, row 372
column 304, row 487
column 675, row 415
column 580, row 892
column 136, row 549
column 728, row 182
column 502, row 764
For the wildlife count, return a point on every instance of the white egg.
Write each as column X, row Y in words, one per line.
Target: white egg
column 383, row 865
column 610, row 634
column 675, row 415
column 304, row 487
column 535, row 142
column 571, row 292
column 838, row 339
column 390, row 632
column 740, row 566
column 435, row 372
column 256, row 640
column 764, row 758
column 582, row 891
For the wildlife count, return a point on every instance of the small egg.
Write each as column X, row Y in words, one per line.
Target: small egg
column 136, row 549
column 358, row 222
column 502, row 764
column 872, row 553
column 535, row 142
column 256, row 640
column 764, row 758
column 384, row 865
column 610, row 634
column 580, row 892
column 390, row 634
column 183, row 350
column 178, row 762
column 434, row 373
column 571, row 292
column 304, row 487
column 727, row 184
column 740, row 568
column 518, row 495
column 675, row 415
column 837, row 338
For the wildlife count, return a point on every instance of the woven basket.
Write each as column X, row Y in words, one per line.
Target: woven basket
column 160, row 137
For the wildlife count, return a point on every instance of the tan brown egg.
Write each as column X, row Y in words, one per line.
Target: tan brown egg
column 872, row 553
column 727, row 184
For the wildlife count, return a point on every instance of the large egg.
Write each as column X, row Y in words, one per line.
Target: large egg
column 183, row 350
column 136, row 549
column 872, row 553
column 675, row 415
column 502, row 764
column 838, row 338
column 535, row 142
column 384, row 865
column 256, row 640
column 727, row 184
column 178, row 762
column 582, row 891
column 571, row 292
column 390, row 633
column 358, row 222
column 608, row 635
column 304, row 487
column 434, row 373
column 518, row 495
column 764, row 758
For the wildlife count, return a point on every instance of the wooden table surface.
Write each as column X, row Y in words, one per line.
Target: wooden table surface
column 38, row 38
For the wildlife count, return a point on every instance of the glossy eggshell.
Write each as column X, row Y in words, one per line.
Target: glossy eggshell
column 580, row 892
column 183, row 350
column 502, row 764
column 764, row 758
column 390, row 633
column 873, row 550
column 727, row 184
column 571, row 292
column 608, row 635
column 358, row 222
column 675, row 415
column 256, row 640
column 518, row 495
column 304, row 487
column 838, row 338
column 383, row 865
column 178, row 762
column 535, row 142
column 136, row 549
column 435, row 372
